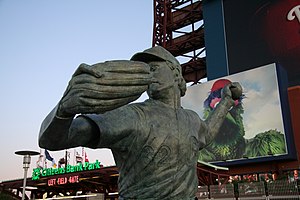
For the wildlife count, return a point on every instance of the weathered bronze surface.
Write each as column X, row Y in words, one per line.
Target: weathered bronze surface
column 155, row 143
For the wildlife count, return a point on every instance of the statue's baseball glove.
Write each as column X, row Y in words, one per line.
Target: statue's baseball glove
column 104, row 86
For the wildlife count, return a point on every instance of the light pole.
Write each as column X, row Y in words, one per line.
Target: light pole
column 26, row 163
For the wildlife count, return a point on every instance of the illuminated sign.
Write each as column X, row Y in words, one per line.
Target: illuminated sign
column 242, row 35
column 63, row 180
column 253, row 39
column 37, row 173
column 294, row 12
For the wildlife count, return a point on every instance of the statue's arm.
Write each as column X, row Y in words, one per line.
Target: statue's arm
column 92, row 90
column 216, row 118
column 57, row 133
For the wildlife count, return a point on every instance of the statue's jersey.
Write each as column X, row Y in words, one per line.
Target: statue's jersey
column 155, row 149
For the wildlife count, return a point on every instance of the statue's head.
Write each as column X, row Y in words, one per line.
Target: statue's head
column 159, row 53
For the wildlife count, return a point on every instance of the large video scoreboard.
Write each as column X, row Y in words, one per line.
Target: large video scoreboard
column 245, row 35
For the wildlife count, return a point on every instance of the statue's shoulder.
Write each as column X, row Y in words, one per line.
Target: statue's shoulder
column 190, row 112
column 145, row 106
column 148, row 103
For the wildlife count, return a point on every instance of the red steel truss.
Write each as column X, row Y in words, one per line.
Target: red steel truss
column 179, row 27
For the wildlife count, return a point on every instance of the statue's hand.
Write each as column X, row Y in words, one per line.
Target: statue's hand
column 233, row 90
column 104, row 86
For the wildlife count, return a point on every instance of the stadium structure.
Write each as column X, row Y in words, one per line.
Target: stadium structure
column 198, row 34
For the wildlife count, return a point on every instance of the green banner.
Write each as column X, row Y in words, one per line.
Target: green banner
column 38, row 173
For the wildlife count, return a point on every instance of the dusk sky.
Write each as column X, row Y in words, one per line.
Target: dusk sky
column 42, row 43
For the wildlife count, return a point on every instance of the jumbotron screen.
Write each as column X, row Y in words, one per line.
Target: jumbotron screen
column 256, row 127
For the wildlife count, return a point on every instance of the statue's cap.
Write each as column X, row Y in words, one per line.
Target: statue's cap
column 156, row 53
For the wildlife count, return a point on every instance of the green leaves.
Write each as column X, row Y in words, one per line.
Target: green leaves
column 267, row 143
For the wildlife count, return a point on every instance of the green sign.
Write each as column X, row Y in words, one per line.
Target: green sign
column 38, row 173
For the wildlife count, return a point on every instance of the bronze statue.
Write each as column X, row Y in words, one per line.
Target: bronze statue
column 155, row 143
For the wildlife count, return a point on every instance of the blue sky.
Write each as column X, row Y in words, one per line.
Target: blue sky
column 41, row 45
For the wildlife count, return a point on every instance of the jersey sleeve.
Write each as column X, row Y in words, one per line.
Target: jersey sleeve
column 202, row 130
column 116, row 127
